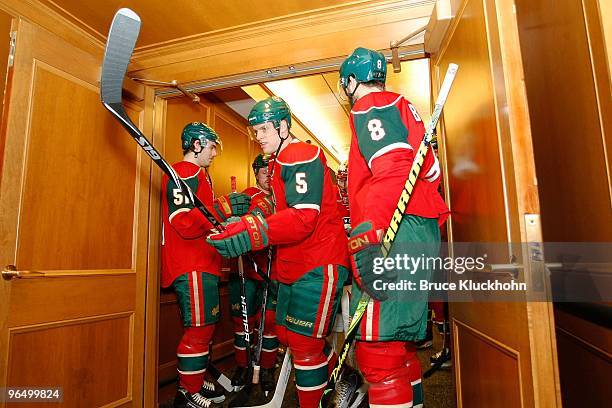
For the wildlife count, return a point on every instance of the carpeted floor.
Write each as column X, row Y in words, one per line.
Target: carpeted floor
column 439, row 388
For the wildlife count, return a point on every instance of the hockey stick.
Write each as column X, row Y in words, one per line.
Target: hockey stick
column 243, row 303
column 396, row 219
column 262, row 324
column 122, row 38
column 281, row 385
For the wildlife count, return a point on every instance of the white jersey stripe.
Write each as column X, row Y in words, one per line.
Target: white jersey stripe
column 196, row 297
column 301, row 162
column 328, row 295
column 369, row 319
column 433, row 168
column 388, row 148
column 177, row 212
column 306, row 206
column 205, row 353
column 376, row 107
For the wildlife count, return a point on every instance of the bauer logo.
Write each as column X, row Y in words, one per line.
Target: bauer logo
column 148, row 148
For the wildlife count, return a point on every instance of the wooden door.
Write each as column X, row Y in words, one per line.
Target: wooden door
column 504, row 352
column 74, row 198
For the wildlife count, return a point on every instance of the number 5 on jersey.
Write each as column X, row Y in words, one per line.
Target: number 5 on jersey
column 179, row 197
column 301, row 186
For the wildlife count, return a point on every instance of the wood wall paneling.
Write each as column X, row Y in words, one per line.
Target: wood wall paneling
column 236, row 155
column 492, row 186
column 5, row 29
column 585, row 360
column 84, row 353
column 570, row 121
column 493, row 363
column 472, row 147
column 75, row 153
column 75, row 201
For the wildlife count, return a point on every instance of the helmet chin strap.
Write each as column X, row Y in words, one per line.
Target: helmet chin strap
column 352, row 94
column 195, row 154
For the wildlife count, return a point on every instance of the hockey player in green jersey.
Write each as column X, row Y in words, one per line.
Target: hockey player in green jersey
column 311, row 258
column 191, row 266
column 386, row 131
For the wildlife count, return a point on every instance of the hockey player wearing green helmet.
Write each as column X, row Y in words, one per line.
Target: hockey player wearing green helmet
column 191, row 266
column 311, row 254
column 386, row 130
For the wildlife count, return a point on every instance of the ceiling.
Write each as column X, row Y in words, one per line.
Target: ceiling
column 321, row 115
column 170, row 20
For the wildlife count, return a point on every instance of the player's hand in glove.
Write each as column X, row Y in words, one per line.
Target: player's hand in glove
column 364, row 247
column 241, row 235
column 262, row 206
column 232, row 205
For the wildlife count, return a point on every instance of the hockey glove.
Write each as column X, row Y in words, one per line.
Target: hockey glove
column 241, row 235
column 364, row 248
column 262, row 207
column 232, row 205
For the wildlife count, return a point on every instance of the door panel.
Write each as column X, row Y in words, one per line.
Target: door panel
column 478, row 352
column 502, row 357
column 66, row 152
column 74, row 198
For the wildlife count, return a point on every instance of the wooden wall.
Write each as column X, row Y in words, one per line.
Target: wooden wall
column 568, row 87
column 491, row 188
column 5, row 29
column 584, row 344
column 567, row 78
column 74, row 203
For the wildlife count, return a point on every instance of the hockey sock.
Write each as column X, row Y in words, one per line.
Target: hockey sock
column 331, row 356
column 269, row 347
column 414, row 375
column 311, row 368
column 383, row 365
column 192, row 353
column 240, row 341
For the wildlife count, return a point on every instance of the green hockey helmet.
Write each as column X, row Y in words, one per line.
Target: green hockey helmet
column 364, row 65
column 272, row 109
column 199, row 131
column 260, row 162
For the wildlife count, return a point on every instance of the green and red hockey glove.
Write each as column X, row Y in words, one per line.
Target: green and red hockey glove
column 241, row 235
column 364, row 248
column 262, row 206
column 232, row 205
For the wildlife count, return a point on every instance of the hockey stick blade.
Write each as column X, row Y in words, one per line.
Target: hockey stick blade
column 281, row 385
column 396, row 219
column 221, row 378
column 120, row 45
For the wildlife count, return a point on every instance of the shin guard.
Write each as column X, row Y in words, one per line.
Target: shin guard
column 240, row 341
column 383, row 365
column 269, row 347
column 311, row 367
column 192, row 353
column 414, row 375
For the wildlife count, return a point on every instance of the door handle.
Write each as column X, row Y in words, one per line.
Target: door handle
column 10, row 272
column 508, row 270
